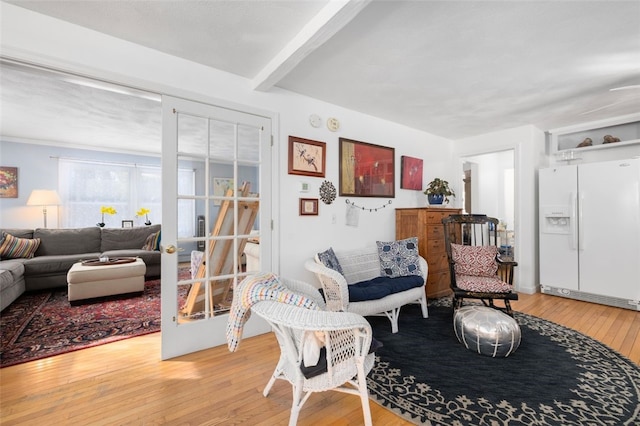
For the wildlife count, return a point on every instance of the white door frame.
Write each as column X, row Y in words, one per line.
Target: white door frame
column 179, row 338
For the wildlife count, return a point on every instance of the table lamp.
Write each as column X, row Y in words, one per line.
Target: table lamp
column 44, row 198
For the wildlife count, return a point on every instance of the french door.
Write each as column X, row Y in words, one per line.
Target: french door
column 216, row 173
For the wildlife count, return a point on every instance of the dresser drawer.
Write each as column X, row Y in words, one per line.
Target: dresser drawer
column 438, row 284
column 435, row 232
column 438, row 262
column 435, row 247
column 435, row 217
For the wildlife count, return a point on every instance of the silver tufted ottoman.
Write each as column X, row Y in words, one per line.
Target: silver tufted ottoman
column 486, row 330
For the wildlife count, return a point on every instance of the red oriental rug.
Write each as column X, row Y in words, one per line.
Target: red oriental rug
column 43, row 324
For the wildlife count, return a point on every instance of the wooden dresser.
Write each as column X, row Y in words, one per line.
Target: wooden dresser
column 426, row 224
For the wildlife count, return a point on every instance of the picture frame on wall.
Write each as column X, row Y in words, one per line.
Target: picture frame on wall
column 366, row 169
column 307, row 157
column 8, row 182
column 410, row 173
column 308, row 206
column 127, row 223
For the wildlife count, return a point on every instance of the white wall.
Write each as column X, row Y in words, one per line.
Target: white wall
column 31, row 37
column 528, row 144
column 38, row 169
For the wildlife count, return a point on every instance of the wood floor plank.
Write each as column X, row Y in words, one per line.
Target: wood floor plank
column 126, row 383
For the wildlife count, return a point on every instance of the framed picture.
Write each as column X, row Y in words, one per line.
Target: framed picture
column 308, row 207
column 410, row 173
column 366, row 170
column 127, row 224
column 8, row 182
column 307, row 157
column 220, row 187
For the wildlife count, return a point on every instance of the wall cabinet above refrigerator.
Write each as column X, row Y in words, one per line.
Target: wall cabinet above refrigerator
column 567, row 142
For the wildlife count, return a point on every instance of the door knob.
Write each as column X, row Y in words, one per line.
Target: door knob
column 172, row 249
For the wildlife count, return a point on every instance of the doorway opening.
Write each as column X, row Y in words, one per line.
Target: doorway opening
column 489, row 188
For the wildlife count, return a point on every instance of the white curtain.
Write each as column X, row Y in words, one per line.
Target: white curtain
column 86, row 186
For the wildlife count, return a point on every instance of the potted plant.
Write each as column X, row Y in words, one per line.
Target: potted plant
column 438, row 191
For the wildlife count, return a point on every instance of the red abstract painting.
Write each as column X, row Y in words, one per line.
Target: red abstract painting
column 411, row 172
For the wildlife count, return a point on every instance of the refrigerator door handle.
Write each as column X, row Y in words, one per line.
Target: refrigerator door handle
column 580, row 227
column 573, row 223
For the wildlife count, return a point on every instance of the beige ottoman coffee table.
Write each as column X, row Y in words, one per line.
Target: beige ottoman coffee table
column 91, row 279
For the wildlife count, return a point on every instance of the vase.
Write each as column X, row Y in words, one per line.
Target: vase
column 435, row 198
column 101, row 224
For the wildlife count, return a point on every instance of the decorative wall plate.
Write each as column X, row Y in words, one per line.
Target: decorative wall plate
column 327, row 192
column 333, row 124
column 315, row 120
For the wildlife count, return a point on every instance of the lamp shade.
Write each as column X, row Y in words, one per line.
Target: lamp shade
column 43, row 197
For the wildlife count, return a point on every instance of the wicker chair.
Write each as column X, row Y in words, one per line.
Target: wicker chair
column 347, row 338
column 477, row 270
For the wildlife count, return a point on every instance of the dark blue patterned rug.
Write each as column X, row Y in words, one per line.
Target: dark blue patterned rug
column 556, row 377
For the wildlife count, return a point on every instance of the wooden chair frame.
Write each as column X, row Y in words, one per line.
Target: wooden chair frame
column 474, row 229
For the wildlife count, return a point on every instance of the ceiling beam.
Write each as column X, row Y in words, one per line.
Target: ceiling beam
column 331, row 19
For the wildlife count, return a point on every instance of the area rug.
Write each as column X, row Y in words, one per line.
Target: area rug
column 556, row 377
column 42, row 324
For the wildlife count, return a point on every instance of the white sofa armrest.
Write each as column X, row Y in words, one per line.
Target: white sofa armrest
column 334, row 285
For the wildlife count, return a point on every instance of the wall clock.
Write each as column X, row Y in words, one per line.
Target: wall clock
column 333, row 124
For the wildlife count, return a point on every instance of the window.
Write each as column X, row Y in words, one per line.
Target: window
column 86, row 186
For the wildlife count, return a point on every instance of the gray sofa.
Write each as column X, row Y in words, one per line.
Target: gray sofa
column 59, row 249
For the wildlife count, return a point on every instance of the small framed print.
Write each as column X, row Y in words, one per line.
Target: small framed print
column 9, row 182
column 127, row 224
column 308, row 207
column 307, row 157
column 411, row 173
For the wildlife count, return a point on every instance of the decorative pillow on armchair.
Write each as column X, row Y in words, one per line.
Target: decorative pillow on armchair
column 399, row 258
column 478, row 261
column 328, row 258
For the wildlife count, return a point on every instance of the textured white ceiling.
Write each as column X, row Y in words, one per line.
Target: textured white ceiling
column 463, row 68
column 454, row 68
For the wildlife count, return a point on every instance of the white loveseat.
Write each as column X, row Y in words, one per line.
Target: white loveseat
column 359, row 265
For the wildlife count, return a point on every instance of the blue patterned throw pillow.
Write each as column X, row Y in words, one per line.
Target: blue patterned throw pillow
column 399, row 258
column 329, row 259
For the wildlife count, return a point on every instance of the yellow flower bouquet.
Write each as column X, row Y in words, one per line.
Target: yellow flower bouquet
column 105, row 210
column 144, row 212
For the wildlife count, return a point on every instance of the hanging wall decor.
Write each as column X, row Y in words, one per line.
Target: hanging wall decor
column 366, row 170
column 410, row 173
column 371, row 209
column 306, row 157
column 327, row 192
column 308, row 207
column 8, row 182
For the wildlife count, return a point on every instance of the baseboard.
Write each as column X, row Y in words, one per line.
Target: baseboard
column 527, row 290
column 634, row 305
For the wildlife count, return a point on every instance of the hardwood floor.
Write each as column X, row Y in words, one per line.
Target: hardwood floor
column 125, row 383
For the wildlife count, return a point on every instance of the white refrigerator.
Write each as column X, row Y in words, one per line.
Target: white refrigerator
column 590, row 232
